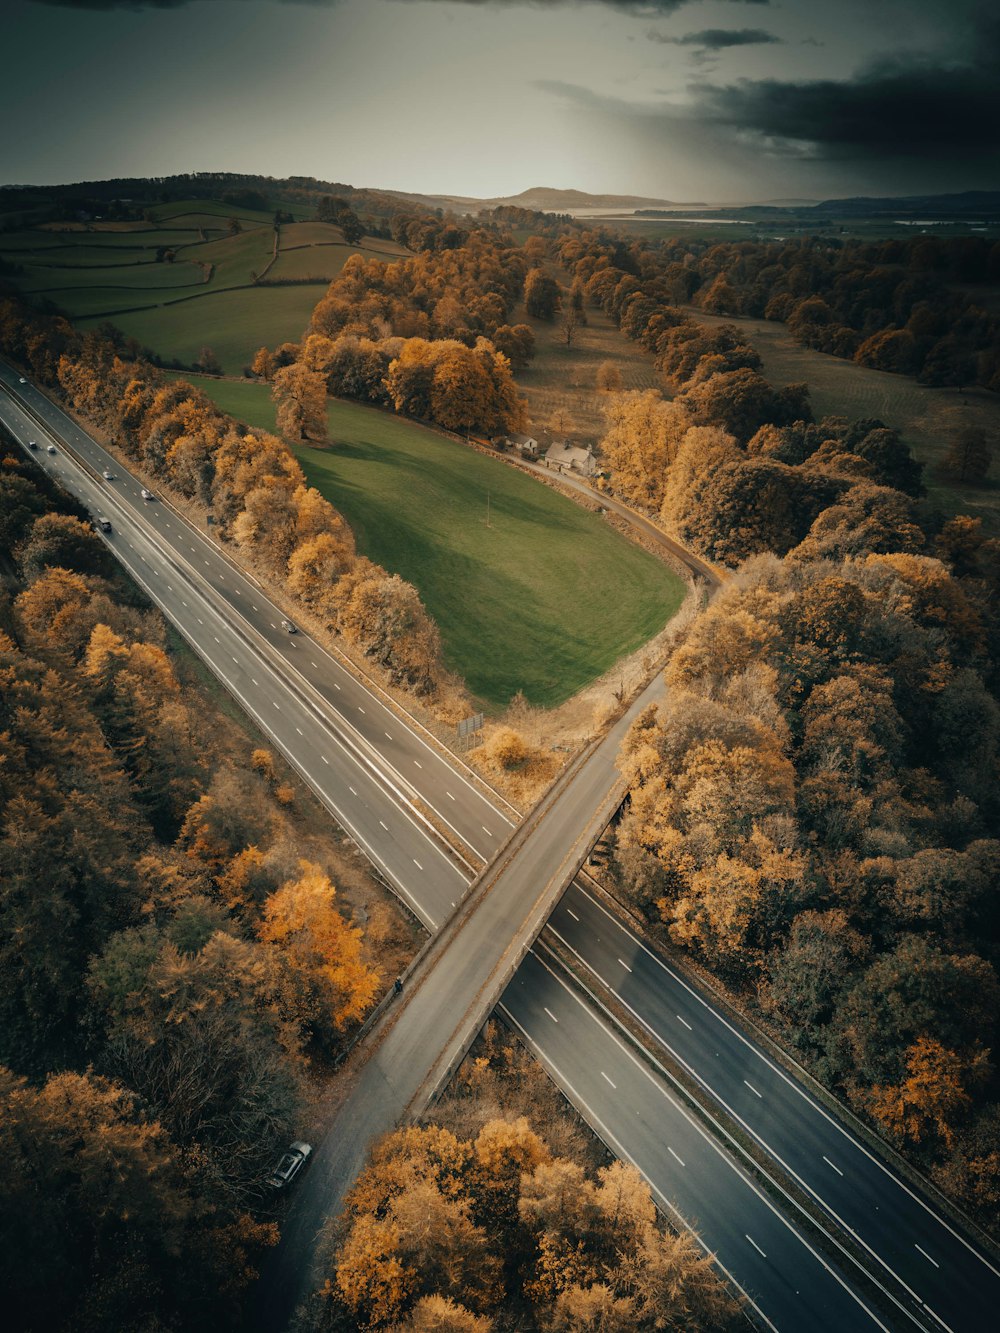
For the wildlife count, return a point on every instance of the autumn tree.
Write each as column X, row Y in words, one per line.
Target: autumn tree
column 969, row 456
column 208, row 363
column 95, row 1192
column 197, row 1021
column 608, row 378
column 262, row 364
column 300, row 395
column 934, row 1093
column 322, row 949
column 541, row 295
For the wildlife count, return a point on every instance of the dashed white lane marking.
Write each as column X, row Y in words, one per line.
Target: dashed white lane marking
column 550, row 1013
column 170, row 586
column 252, row 681
column 299, row 730
column 384, row 825
column 449, row 796
column 360, row 709
column 352, row 791
column 235, row 660
column 183, row 603
column 756, row 1246
column 573, row 915
column 336, row 686
column 199, row 620
column 216, row 638
column 272, row 624
column 222, row 578
column 277, row 705
column 313, row 664
column 486, row 830
column 388, row 737
column 418, row 763
column 674, row 1155
column 625, row 966
column 256, row 608
column 603, row 1075
column 753, row 1090
column 324, row 758
column 927, row 1257
column 685, row 1022
column 417, row 864
column 833, row 1164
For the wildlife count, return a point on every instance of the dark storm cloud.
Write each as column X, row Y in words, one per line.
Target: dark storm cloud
column 891, row 108
column 717, row 39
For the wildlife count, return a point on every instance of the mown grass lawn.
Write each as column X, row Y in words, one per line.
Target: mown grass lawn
column 543, row 597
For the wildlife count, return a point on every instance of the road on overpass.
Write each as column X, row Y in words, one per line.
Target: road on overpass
column 376, row 772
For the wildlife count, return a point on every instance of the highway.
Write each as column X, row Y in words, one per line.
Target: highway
column 374, row 771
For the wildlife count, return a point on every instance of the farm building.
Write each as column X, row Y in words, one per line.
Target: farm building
column 569, row 458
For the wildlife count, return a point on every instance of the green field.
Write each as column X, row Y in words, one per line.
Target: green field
column 544, row 598
column 104, row 270
column 234, row 323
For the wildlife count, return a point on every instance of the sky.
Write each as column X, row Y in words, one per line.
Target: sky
column 685, row 100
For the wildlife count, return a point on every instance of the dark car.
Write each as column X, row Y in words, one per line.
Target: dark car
column 32, row 444
column 289, row 627
column 103, row 523
column 290, row 1165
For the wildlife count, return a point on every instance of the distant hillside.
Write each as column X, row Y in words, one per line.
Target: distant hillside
column 539, row 198
column 941, row 205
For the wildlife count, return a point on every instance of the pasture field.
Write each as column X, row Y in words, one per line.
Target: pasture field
column 530, row 591
column 928, row 419
column 233, row 323
column 102, row 271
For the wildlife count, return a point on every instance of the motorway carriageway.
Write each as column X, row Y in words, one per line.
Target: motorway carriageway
column 356, row 753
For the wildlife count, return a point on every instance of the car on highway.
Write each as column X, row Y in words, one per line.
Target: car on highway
column 103, row 523
column 32, row 444
column 52, row 449
column 289, row 627
column 108, row 475
column 290, row 1165
column 146, row 495
column 22, row 380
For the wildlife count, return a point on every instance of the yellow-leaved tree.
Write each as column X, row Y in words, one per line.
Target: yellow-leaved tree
column 322, row 949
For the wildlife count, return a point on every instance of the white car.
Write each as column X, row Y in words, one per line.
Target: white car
column 22, row 380
column 290, row 1165
column 108, row 475
column 146, row 495
column 32, row 444
column 52, row 448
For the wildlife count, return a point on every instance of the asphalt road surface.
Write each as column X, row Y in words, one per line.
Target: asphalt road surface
column 374, row 770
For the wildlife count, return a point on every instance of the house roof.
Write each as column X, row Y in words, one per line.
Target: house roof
column 567, row 453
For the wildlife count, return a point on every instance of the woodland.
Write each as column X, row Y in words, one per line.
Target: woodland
column 173, row 969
